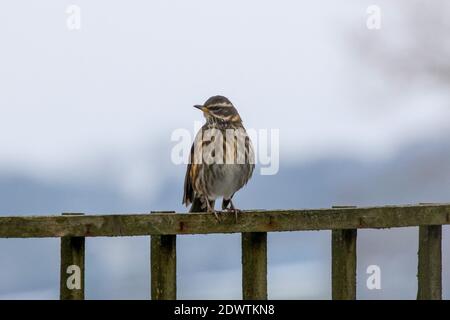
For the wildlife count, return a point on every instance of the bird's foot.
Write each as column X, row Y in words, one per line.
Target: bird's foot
column 216, row 215
column 235, row 211
column 210, row 209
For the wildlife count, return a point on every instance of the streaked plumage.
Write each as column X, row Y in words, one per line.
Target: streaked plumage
column 222, row 158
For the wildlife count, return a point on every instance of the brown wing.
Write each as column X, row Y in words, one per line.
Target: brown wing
column 193, row 172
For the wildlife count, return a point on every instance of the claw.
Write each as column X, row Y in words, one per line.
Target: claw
column 236, row 211
column 216, row 214
column 233, row 209
column 211, row 210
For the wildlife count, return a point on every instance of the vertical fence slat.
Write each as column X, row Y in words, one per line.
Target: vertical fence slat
column 164, row 267
column 72, row 267
column 254, row 266
column 343, row 267
column 429, row 274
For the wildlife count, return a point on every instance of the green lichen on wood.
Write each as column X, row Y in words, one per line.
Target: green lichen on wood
column 254, row 266
column 343, row 269
column 430, row 263
column 163, row 267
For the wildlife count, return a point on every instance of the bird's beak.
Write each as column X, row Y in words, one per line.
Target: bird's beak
column 201, row 108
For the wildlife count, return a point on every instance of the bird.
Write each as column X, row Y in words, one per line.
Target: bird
column 222, row 159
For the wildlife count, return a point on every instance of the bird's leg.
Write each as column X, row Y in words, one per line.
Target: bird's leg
column 236, row 211
column 233, row 209
column 210, row 209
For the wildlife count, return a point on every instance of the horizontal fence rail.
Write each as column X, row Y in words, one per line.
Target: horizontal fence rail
column 165, row 223
column 163, row 228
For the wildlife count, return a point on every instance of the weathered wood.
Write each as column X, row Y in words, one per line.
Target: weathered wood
column 72, row 268
column 254, row 266
column 202, row 223
column 343, row 270
column 163, row 267
column 430, row 263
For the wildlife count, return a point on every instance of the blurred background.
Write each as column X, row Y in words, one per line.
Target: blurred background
column 86, row 118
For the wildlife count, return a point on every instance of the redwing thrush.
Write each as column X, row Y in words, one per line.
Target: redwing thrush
column 221, row 160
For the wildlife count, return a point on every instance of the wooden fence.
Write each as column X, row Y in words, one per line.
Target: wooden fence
column 163, row 227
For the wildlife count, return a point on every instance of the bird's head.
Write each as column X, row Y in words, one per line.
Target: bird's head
column 219, row 109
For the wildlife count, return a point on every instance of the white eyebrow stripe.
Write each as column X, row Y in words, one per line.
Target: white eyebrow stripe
column 221, row 104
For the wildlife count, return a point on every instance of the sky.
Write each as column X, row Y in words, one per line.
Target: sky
column 90, row 112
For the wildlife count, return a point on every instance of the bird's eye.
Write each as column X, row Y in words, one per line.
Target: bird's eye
column 213, row 108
